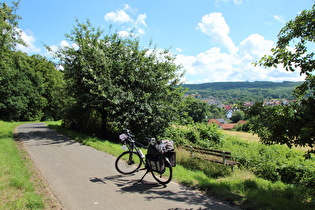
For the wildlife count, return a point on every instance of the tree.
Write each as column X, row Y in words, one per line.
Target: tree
column 30, row 86
column 30, row 89
column 52, row 85
column 117, row 84
column 195, row 109
column 10, row 34
column 237, row 116
column 216, row 112
column 293, row 124
column 301, row 32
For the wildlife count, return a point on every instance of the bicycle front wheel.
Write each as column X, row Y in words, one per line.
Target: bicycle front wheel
column 164, row 177
column 128, row 162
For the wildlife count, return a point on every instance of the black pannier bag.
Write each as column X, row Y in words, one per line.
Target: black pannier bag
column 162, row 149
column 156, row 163
column 171, row 156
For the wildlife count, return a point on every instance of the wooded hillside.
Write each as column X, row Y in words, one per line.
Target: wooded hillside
column 244, row 91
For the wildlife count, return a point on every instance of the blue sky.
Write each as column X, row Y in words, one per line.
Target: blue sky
column 214, row 40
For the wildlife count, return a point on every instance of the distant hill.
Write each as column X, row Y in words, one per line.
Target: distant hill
column 238, row 85
column 244, row 91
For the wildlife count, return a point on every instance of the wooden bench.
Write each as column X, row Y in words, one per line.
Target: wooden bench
column 213, row 155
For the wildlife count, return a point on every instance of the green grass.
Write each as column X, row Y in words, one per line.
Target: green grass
column 17, row 189
column 240, row 187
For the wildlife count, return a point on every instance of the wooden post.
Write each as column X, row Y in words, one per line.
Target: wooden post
column 191, row 152
column 224, row 159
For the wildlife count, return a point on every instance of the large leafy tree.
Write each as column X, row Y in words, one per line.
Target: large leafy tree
column 51, row 85
column 293, row 124
column 31, row 89
column 20, row 90
column 115, row 83
column 30, row 86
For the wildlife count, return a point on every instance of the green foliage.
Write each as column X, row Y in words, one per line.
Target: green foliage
column 237, row 116
column 83, row 120
column 199, row 134
column 216, row 112
column 292, row 124
column 242, row 127
column 30, row 86
column 10, row 35
column 299, row 31
column 193, row 110
column 274, row 162
column 125, row 85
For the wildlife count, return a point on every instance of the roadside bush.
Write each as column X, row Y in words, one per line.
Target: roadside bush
column 271, row 162
column 302, row 174
column 197, row 134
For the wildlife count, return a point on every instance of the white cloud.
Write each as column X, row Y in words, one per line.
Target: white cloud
column 235, row 1
column 254, row 47
column 214, row 65
column 179, row 50
column 123, row 33
column 119, row 16
column 214, row 25
column 129, row 19
column 30, row 41
column 141, row 20
column 62, row 44
column 128, row 7
column 279, row 18
column 238, row 1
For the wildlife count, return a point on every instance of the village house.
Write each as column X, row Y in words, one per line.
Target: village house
column 224, row 125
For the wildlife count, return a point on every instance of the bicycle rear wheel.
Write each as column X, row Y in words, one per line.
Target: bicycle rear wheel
column 163, row 177
column 128, row 162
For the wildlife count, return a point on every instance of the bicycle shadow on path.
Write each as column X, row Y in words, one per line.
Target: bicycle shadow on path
column 123, row 181
column 154, row 191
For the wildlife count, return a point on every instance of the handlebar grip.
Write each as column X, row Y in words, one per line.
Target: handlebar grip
column 126, row 131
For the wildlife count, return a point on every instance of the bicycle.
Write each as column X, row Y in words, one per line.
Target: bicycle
column 130, row 161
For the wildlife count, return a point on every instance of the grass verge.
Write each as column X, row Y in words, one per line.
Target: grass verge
column 240, row 188
column 18, row 188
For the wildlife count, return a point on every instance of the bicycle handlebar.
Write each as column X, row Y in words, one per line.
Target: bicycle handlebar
column 131, row 138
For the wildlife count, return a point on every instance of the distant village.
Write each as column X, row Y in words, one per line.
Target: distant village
column 230, row 108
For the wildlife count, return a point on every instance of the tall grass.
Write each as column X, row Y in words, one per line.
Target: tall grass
column 241, row 187
column 17, row 191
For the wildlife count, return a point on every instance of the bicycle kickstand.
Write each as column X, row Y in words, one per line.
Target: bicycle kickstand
column 144, row 175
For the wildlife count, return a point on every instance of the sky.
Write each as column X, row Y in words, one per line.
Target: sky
column 214, row 40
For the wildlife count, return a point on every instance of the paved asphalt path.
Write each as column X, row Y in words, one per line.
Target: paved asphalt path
column 84, row 178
